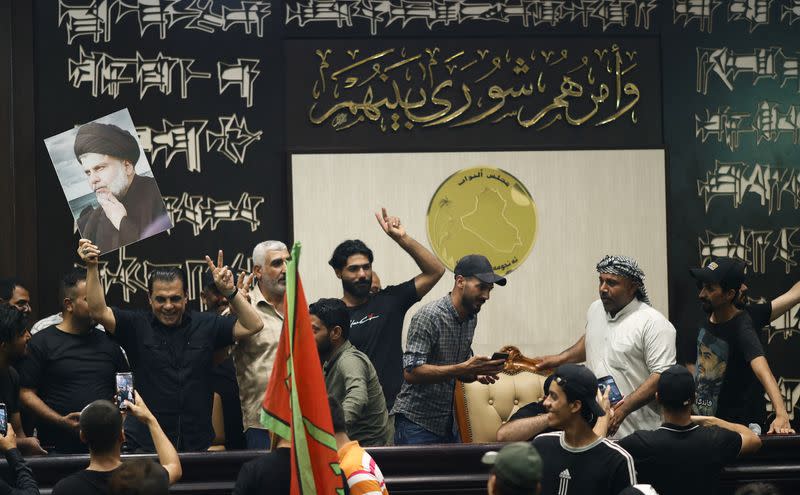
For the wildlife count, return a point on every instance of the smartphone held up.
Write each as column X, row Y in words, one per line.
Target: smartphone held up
column 124, row 390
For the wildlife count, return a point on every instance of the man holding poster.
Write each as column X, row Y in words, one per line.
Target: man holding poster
column 130, row 205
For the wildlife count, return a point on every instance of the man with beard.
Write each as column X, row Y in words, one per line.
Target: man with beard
column 627, row 339
column 376, row 320
column 349, row 375
column 13, row 293
column 68, row 366
column 438, row 351
column 131, row 207
column 732, row 372
column 255, row 355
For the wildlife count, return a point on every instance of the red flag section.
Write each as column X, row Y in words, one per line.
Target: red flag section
column 295, row 406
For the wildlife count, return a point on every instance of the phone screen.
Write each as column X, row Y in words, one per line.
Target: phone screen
column 614, row 395
column 3, row 419
column 124, row 389
column 499, row 355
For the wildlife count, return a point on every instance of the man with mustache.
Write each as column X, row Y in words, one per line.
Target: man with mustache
column 376, row 320
column 254, row 356
column 438, row 351
column 171, row 348
column 130, row 205
column 732, row 372
column 626, row 338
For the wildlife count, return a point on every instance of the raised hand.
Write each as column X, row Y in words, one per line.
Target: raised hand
column 244, row 283
column 88, row 252
column 223, row 278
column 390, row 225
column 9, row 441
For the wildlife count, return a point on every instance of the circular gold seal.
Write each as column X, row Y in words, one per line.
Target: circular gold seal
column 484, row 211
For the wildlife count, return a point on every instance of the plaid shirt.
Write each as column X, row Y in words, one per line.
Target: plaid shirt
column 438, row 337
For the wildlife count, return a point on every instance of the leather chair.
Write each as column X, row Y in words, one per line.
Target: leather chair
column 481, row 409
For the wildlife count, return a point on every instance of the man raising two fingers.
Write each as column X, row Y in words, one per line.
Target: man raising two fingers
column 170, row 348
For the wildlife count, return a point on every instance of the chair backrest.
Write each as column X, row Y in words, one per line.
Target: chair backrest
column 482, row 409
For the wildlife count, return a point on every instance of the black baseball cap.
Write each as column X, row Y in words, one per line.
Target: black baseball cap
column 478, row 266
column 580, row 384
column 722, row 270
column 676, row 386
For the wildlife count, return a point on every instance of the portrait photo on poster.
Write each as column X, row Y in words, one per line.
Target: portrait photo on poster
column 108, row 182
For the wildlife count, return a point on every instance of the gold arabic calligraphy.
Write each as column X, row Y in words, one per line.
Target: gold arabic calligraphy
column 396, row 89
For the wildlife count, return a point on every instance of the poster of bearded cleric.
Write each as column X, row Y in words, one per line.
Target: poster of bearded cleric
column 108, row 182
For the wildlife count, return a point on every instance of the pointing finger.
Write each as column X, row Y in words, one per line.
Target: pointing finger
column 219, row 258
column 210, row 263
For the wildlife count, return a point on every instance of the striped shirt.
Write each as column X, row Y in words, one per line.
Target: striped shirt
column 436, row 336
column 364, row 477
column 600, row 468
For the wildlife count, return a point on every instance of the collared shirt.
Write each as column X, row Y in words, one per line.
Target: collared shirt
column 352, row 380
column 172, row 370
column 630, row 346
column 254, row 357
column 436, row 336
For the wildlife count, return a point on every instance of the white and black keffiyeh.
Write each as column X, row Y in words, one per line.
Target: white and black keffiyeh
column 626, row 267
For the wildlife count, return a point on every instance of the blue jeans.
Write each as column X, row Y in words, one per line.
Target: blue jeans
column 256, row 439
column 407, row 432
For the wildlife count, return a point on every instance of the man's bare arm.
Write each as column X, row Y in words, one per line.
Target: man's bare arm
column 785, row 302
column 645, row 393
column 574, row 354
column 474, row 366
column 31, row 400
column 750, row 441
column 764, row 374
column 95, row 296
column 522, row 430
column 27, row 445
column 167, row 455
column 432, row 268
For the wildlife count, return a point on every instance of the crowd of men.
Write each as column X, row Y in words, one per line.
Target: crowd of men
column 203, row 375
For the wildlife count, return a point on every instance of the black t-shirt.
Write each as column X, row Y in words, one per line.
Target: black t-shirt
column 682, row 460
column 760, row 314
column 9, row 390
column 601, row 468
column 88, row 482
column 270, row 473
column 172, row 369
column 68, row 372
column 376, row 329
column 726, row 385
column 84, row 482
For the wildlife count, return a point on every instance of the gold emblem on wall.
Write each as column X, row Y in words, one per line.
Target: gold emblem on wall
column 482, row 210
